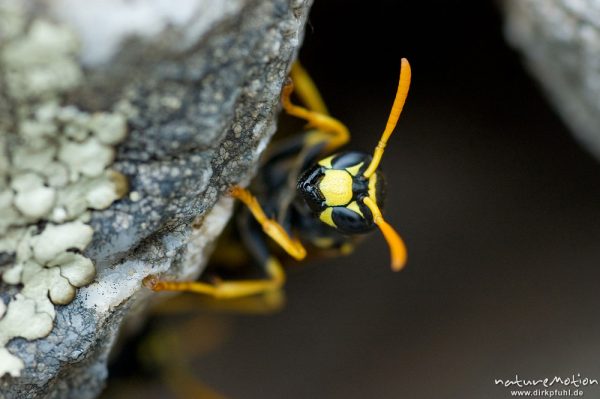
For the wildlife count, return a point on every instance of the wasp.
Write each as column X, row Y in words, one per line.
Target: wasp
column 309, row 194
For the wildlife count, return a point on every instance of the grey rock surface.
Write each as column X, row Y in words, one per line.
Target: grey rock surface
column 560, row 41
column 199, row 88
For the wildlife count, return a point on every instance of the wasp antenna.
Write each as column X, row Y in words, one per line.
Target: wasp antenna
column 401, row 93
column 397, row 247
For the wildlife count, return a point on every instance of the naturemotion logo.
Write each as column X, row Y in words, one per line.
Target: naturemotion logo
column 557, row 386
column 575, row 381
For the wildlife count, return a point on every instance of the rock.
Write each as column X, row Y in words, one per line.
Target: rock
column 120, row 140
column 561, row 44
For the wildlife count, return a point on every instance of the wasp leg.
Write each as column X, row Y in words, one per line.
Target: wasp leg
column 270, row 226
column 242, row 288
column 225, row 289
column 329, row 130
column 268, row 302
column 306, row 90
column 243, row 295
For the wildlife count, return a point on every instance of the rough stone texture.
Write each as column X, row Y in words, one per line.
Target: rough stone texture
column 561, row 43
column 199, row 87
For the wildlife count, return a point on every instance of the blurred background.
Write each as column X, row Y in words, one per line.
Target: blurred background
column 498, row 205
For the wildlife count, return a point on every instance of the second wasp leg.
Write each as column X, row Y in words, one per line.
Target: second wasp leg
column 306, row 89
column 329, row 130
column 238, row 289
column 225, row 289
column 270, row 226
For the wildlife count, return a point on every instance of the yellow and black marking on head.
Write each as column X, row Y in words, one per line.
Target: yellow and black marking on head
column 335, row 187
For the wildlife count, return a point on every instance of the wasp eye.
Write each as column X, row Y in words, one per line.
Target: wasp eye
column 308, row 187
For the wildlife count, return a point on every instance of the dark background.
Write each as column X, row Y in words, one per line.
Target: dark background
column 496, row 201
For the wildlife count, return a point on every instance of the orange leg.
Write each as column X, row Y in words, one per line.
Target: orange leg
column 273, row 229
column 328, row 129
column 224, row 289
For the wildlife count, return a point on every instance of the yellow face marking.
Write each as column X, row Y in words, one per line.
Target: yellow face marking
column 353, row 206
column 326, row 162
column 326, row 217
column 372, row 187
column 353, row 170
column 336, row 187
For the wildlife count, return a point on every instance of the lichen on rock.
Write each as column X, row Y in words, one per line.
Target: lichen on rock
column 54, row 169
column 196, row 89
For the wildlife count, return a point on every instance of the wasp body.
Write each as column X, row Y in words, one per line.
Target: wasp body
column 335, row 187
column 307, row 195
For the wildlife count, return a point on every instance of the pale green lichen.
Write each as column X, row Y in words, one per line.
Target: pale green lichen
column 41, row 62
column 33, row 199
column 54, row 168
